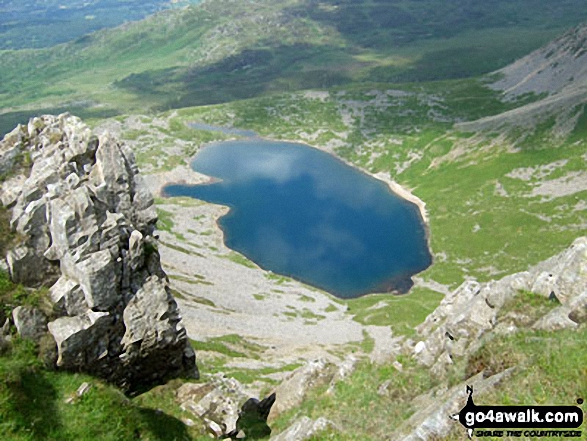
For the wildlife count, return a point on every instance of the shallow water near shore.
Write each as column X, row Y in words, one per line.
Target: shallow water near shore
column 301, row 212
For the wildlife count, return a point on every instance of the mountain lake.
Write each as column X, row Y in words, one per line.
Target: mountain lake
column 301, row 212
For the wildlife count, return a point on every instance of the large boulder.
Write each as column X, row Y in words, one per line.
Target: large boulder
column 292, row 391
column 215, row 403
column 85, row 221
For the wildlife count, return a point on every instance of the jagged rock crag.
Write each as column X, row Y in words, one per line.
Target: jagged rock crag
column 86, row 222
column 456, row 327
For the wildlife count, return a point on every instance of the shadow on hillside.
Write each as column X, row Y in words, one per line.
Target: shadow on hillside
column 248, row 74
column 164, row 426
column 31, row 405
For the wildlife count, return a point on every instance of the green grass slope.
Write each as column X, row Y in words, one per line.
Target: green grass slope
column 220, row 51
column 549, row 370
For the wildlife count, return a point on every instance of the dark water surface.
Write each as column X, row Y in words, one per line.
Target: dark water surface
column 301, row 212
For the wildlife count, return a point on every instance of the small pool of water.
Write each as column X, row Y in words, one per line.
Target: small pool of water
column 301, row 212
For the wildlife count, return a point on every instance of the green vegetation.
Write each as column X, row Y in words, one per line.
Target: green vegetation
column 235, row 257
column 402, row 313
column 165, row 220
column 550, row 369
column 380, row 83
column 231, row 345
column 223, row 51
column 36, row 404
column 526, row 307
column 279, row 280
column 193, row 281
column 22, row 27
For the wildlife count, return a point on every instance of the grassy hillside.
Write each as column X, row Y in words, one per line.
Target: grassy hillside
column 39, row 403
column 549, row 369
column 220, row 51
column 485, row 220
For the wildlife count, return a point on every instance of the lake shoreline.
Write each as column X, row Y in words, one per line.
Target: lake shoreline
column 188, row 176
column 393, row 185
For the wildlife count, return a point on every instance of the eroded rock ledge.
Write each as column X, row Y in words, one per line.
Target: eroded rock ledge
column 85, row 221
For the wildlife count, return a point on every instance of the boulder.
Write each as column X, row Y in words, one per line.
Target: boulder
column 216, row 403
column 252, row 419
column 30, row 322
column 578, row 309
column 99, row 279
column 293, row 390
column 82, row 340
column 68, row 296
column 153, row 345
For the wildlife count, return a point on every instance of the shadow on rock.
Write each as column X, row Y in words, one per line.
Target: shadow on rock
column 252, row 420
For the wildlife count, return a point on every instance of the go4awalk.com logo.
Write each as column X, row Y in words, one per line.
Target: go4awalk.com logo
column 520, row 421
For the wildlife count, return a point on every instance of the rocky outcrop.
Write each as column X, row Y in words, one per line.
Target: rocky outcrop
column 557, row 73
column 292, row 391
column 455, row 328
column 225, row 408
column 85, row 220
column 304, row 429
column 431, row 420
column 30, row 322
column 215, row 403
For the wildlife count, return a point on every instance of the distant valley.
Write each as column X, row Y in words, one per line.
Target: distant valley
column 37, row 24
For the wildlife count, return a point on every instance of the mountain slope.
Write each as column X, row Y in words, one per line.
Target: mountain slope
column 220, row 51
column 560, row 65
column 555, row 75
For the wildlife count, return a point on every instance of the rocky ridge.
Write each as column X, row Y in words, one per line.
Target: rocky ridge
column 474, row 312
column 85, row 222
column 560, row 65
column 455, row 328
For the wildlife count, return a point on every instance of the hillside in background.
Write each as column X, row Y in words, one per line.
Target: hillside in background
column 221, row 51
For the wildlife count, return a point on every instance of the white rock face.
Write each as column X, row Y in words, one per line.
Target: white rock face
column 86, row 221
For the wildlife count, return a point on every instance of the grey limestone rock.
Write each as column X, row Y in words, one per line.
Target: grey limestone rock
column 86, row 220
column 293, row 390
column 215, row 403
column 472, row 309
column 432, row 419
column 304, row 428
column 30, row 322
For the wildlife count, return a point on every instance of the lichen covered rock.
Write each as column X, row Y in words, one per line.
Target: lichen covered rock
column 86, row 219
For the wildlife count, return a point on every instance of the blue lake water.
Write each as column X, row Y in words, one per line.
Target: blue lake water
column 301, row 212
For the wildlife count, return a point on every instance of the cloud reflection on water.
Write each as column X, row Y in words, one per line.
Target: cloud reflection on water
column 301, row 212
